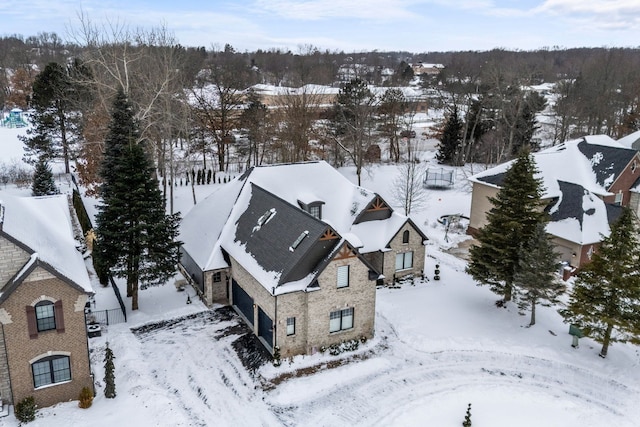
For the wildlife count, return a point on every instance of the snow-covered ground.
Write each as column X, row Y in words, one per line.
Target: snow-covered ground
column 439, row 345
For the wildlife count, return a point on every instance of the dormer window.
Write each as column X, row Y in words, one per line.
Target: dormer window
column 315, row 211
column 313, row 207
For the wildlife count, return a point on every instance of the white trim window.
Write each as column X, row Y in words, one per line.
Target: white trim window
column 404, row 261
column 51, row 370
column 291, row 325
column 343, row 276
column 340, row 320
column 618, row 200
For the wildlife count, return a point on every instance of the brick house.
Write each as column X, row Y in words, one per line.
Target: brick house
column 44, row 287
column 297, row 250
column 586, row 182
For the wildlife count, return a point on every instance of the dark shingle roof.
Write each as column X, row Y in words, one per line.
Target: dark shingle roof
column 570, row 205
column 606, row 161
column 493, row 179
column 269, row 243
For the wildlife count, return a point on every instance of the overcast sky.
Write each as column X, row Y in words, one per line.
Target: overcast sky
column 348, row 25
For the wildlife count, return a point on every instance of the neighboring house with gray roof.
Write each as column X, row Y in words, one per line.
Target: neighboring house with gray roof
column 44, row 287
column 297, row 250
column 586, row 182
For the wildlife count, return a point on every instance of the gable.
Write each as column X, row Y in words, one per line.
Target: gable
column 12, row 258
column 377, row 209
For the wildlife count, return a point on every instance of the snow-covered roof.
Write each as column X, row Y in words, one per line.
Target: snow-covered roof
column 631, row 141
column 264, row 203
column 43, row 224
column 575, row 175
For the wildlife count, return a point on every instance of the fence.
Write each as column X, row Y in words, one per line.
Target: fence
column 108, row 317
column 116, row 291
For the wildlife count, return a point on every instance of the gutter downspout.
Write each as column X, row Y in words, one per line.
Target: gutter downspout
column 275, row 320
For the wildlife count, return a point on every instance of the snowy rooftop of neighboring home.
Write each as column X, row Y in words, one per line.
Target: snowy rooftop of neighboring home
column 631, row 141
column 285, row 90
column 576, row 174
column 593, row 162
column 267, row 203
column 580, row 216
column 43, row 224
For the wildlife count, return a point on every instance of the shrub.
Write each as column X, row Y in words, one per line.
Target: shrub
column 86, row 398
column 26, row 410
column 109, row 374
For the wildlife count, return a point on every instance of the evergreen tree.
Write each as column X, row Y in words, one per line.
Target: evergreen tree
column 451, row 140
column 467, row 417
column 109, row 374
column 536, row 279
column 512, row 220
column 606, row 293
column 54, row 125
column 43, row 183
column 136, row 239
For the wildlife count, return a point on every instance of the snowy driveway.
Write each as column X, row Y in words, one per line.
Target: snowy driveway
column 397, row 383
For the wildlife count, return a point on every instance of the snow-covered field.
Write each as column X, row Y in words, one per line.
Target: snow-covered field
column 439, row 345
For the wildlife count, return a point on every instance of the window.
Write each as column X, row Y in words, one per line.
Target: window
column 404, row 261
column 405, row 236
column 291, row 325
column 618, row 198
column 51, row 370
column 217, row 276
column 634, row 166
column 45, row 316
column 340, row 320
column 343, row 276
column 299, row 240
column 315, row 211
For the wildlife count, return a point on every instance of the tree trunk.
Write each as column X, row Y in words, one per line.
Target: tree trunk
column 533, row 312
column 508, row 291
column 606, row 340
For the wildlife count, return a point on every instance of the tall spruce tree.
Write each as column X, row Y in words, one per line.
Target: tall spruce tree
column 606, row 294
column 536, row 280
column 512, row 220
column 53, row 123
column 136, row 239
column 43, row 183
column 449, row 149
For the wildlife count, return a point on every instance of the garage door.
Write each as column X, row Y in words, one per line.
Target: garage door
column 265, row 327
column 243, row 302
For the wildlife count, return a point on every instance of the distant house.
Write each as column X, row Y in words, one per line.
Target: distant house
column 44, row 287
column 586, row 181
column 297, row 249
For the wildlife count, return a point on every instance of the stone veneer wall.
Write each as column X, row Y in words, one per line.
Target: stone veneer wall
column 12, row 258
column 21, row 349
column 311, row 309
column 360, row 294
column 415, row 244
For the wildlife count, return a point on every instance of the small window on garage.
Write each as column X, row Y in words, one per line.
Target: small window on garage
column 291, row 325
column 217, row 276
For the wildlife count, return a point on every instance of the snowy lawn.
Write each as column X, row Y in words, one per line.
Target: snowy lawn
column 439, row 345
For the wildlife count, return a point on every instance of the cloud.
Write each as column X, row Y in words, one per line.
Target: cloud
column 331, row 9
column 596, row 14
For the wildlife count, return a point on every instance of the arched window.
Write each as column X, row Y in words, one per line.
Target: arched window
column 45, row 316
column 51, row 370
column 405, row 236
